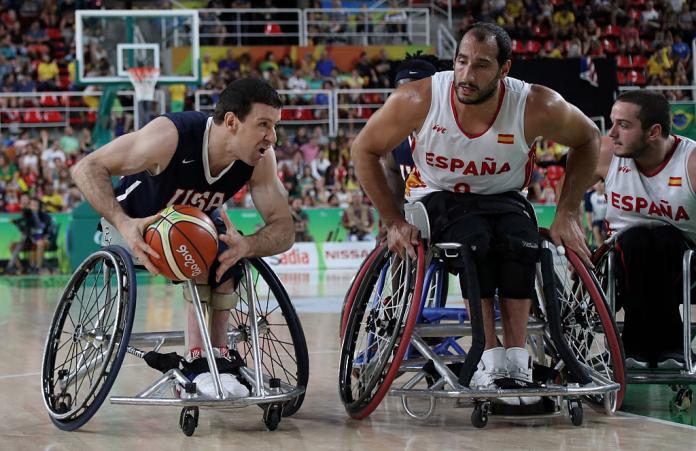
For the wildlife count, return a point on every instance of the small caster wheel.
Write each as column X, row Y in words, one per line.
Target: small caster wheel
column 188, row 420
column 271, row 416
column 684, row 398
column 479, row 417
column 576, row 414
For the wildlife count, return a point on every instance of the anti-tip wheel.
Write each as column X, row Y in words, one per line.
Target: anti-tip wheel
column 479, row 417
column 271, row 416
column 576, row 415
column 188, row 420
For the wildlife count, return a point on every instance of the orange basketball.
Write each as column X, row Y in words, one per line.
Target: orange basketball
column 185, row 239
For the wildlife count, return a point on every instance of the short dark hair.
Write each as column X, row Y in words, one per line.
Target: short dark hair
column 482, row 31
column 240, row 95
column 654, row 109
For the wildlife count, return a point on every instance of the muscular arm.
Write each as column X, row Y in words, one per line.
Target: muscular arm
column 270, row 199
column 553, row 118
column 149, row 148
column 403, row 112
column 395, row 181
column 606, row 152
column 548, row 115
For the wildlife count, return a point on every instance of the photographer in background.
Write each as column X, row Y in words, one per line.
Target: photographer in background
column 35, row 227
column 358, row 219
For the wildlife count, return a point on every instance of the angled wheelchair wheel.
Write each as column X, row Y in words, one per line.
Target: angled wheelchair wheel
column 353, row 289
column 88, row 337
column 379, row 327
column 282, row 342
column 587, row 325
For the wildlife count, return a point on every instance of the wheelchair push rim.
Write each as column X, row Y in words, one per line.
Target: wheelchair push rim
column 283, row 348
column 355, row 284
column 370, row 314
column 589, row 328
column 88, row 338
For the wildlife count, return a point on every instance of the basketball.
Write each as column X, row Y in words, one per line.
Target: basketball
column 185, row 239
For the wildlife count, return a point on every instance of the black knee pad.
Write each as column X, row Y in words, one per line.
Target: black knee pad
column 518, row 260
column 517, row 281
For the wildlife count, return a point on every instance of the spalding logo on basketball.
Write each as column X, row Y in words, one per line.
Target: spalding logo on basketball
column 185, row 239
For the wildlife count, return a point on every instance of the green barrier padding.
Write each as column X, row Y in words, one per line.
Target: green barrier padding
column 79, row 237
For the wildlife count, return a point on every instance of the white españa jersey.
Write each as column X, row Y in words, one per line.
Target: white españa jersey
column 663, row 197
column 447, row 159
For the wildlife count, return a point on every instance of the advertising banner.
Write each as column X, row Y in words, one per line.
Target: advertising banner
column 346, row 255
column 300, row 256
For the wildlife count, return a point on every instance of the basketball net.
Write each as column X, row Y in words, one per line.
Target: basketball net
column 144, row 80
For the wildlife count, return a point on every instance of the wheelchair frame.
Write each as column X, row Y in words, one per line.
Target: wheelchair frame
column 677, row 379
column 273, row 399
column 442, row 381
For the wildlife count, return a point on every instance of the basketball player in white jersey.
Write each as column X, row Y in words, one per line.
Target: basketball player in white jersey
column 649, row 175
column 474, row 129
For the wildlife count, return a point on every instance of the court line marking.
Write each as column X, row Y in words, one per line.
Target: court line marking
column 13, row 376
column 655, row 420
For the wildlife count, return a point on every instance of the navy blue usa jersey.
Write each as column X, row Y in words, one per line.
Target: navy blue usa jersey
column 403, row 157
column 186, row 179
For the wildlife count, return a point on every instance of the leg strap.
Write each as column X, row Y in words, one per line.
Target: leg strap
column 224, row 301
column 203, row 293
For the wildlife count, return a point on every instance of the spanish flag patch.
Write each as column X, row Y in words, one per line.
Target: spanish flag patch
column 506, row 138
column 675, row 181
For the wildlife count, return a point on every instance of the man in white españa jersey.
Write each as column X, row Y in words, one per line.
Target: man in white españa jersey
column 474, row 129
column 649, row 175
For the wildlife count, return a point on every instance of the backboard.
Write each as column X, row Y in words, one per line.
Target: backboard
column 108, row 42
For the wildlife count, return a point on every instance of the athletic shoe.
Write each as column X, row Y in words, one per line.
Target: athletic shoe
column 230, row 385
column 491, row 367
column 636, row 362
column 672, row 360
column 204, row 381
column 520, row 369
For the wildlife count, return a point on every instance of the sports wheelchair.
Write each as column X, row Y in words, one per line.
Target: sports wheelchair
column 606, row 269
column 90, row 335
column 398, row 333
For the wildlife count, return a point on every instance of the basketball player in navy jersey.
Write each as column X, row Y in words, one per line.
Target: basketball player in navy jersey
column 194, row 159
column 650, row 174
column 474, row 128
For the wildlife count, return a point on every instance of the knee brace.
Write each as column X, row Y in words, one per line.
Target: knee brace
column 519, row 259
column 203, row 292
column 224, row 301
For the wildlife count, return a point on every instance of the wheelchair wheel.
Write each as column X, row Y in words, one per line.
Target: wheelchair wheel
column 88, row 337
column 353, row 289
column 281, row 339
column 587, row 326
column 378, row 331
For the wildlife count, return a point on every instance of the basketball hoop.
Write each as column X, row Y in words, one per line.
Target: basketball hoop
column 144, row 80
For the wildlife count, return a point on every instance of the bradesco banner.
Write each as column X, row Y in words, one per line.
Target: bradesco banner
column 300, row 256
column 346, row 255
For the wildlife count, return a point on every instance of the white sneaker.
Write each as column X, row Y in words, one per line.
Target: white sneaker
column 204, row 381
column 492, row 366
column 230, row 385
column 519, row 367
